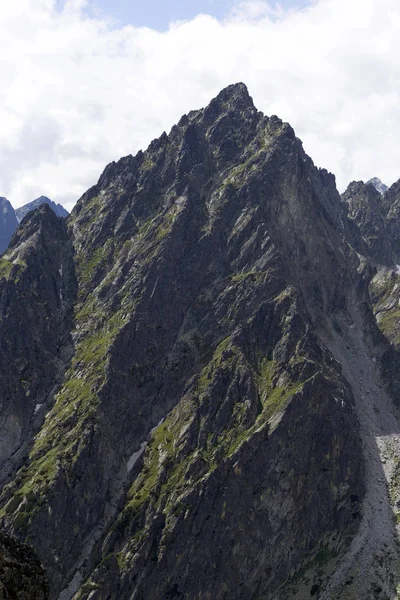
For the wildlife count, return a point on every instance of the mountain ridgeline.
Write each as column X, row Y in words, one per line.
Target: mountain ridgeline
column 58, row 209
column 9, row 218
column 200, row 371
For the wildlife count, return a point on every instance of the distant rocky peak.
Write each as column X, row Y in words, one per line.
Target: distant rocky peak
column 5, row 205
column 378, row 185
column 8, row 223
column 57, row 208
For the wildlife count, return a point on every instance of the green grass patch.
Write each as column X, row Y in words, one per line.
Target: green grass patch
column 5, row 268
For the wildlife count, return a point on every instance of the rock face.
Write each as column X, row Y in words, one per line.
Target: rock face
column 189, row 424
column 22, row 211
column 21, row 575
column 36, row 294
column 367, row 214
column 373, row 221
column 378, row 185
column 8, row 223
column 9, row 218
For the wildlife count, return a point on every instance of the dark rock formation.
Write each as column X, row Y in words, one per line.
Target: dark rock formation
column 368, row 224
column 391, row 202
column 22, row 211
column 8, row 223
column 372, row 221
column 187, row 426
column 35, row 307
column 9, row 218
column 21, row 575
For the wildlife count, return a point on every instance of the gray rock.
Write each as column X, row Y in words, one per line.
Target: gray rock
column 378, row 185
column 22, row 211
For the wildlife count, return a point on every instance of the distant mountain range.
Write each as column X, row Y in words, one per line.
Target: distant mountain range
column 10, row 217
column 8, row 223
column 23, row 210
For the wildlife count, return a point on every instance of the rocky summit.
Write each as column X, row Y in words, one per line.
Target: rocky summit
column 10, row 217
column 200, row 374
column 22, row 211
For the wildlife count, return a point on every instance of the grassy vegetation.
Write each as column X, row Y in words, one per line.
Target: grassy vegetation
column 253, row 275
column 88, row 267
column 384, row 299
column 168, row 473
column 5, row 268
column 11, row 269
column 95, row 202
column 148, row 162
column 90, row 212
column 68, row 424
column 389, row 324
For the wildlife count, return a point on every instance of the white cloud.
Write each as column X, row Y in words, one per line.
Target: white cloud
column 77, row 92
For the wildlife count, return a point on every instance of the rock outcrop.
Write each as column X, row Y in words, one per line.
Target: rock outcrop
column 378, row 185
column 21, row 575
column 368, row 225
column 9, row 218
column 372, row 221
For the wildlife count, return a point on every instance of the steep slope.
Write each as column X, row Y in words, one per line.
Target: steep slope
column 372, row 224
column 58, row 209
column 391, row 201
column 201, row 436
column 371, row 567
column 8, row 223
column 36, row 290
column 366, row 214
column 372, row 221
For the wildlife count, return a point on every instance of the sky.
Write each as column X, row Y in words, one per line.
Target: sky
column 86, row 82
column 158, row 14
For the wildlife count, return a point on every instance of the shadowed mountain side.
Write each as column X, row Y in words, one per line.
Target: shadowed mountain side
column 200, row 426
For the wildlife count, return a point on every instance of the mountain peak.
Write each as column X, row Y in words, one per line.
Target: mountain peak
column 235, row 92
column 234, row 97
column 378, row 185
column 22, row 211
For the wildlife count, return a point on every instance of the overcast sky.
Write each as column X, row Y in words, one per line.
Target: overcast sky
column 84, row 83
